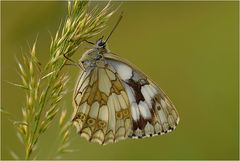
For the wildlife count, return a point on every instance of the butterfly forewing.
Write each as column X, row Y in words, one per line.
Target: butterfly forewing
column 152, row 111
column 117, row 101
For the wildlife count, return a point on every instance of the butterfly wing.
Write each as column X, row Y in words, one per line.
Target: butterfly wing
column 152, row 111
column 119, row 101
column 102, row 109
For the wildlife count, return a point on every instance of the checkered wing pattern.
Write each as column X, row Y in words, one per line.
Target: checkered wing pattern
column 152, row 112
column 102, row 108
column 118, row 101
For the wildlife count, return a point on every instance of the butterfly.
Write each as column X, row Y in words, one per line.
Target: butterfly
column 114, row 100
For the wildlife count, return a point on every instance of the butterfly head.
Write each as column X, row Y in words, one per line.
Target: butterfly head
column 100, row 44
column 95, row 56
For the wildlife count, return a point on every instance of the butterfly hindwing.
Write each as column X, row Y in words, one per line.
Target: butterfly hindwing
column 102, row 112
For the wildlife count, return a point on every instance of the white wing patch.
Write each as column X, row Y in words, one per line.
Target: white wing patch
column 144, row 110
column 124, row 71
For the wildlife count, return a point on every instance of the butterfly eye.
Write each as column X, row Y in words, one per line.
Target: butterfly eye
column 101, row 43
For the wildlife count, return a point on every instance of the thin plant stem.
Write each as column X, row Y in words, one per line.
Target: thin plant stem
column 45, row 84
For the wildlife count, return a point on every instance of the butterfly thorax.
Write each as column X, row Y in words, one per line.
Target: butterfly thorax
column 95, row 56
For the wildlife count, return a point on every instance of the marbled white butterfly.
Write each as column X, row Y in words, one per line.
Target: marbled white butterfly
column 114, row 100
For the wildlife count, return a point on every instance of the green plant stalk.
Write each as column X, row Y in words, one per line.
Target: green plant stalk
column 33, row 140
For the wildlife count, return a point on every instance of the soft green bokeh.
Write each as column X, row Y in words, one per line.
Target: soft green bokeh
column 189, row 48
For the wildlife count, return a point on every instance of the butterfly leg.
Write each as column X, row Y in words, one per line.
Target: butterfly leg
column 74, row 63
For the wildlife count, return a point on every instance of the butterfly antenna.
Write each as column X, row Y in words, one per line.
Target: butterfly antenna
column 120, row 18
column 89, row 42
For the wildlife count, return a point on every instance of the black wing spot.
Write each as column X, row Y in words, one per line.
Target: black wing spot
column 136, row 86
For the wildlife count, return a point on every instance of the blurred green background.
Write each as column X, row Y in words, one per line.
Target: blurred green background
column 189, row 48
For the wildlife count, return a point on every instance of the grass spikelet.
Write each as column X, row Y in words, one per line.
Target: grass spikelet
column 14, row 155
column 64, row 135
column 46, row 84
